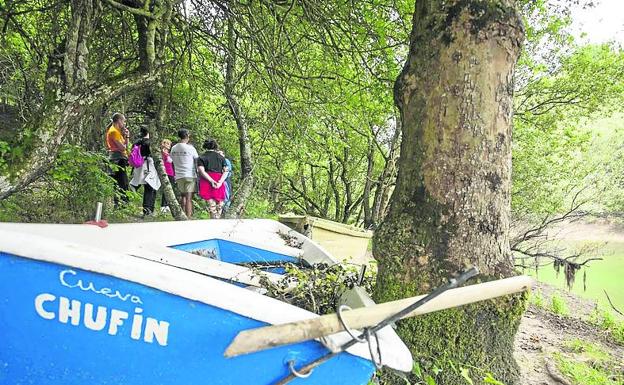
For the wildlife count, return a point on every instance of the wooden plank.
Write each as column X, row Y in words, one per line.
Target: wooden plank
column 253, row 340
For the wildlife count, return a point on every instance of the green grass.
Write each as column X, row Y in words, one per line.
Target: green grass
column 601, row 275
column 605, row 319
column 582, row 373
column 558, row 305
column 536, row 298
column 587, row 349
column 588, row 364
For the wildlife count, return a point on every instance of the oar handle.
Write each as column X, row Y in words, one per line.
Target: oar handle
column 252, row 340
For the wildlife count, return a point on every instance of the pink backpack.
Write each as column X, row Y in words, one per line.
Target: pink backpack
column 135, row 159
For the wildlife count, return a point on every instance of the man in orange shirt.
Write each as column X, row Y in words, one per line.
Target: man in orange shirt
column 117, row 144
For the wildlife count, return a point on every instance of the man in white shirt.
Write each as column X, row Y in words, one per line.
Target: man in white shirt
column 184, row 155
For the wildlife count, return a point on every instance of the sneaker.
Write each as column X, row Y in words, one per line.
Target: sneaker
column 148, row 213
column 164, row 210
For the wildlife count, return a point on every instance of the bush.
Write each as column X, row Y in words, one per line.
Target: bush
column 68, row 193
column 606, row 321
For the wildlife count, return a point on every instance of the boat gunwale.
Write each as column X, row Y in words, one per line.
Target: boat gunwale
column 335, row 227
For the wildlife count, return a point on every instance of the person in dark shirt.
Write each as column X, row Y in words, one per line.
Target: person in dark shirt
column 213, row 171
column 146, row 175
column 227, row 183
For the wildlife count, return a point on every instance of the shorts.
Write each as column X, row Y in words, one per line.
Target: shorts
column 186, row 185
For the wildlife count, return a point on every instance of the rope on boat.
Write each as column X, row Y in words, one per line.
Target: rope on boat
column 378, row 362
column 372, row 331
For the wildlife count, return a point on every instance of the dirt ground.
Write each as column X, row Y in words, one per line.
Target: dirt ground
column 542, row 333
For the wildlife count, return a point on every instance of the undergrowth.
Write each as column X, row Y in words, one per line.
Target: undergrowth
column 587, row 364
column 606, row 321
column 318, row 288
column 558, row 305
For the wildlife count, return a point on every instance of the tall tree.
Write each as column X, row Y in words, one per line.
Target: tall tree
column 451, row 205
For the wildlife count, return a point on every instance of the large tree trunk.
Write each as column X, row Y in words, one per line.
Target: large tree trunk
column 451, row 205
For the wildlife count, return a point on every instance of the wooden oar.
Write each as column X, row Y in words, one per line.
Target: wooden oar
column 253, row 340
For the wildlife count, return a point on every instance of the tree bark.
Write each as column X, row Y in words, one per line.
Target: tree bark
column 366, row 204
column 386, row 179
column 76, row 55
column 153, row 40
column 245, row 185
column 348, row 201
column 451, row 205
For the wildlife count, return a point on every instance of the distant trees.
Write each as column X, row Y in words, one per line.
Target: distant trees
column 67, row 88
column 303, row 88
column 562, row 170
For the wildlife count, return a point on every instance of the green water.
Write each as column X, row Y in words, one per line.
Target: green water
column 607, row 274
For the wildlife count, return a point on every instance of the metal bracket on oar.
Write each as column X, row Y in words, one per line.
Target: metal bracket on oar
column 253, row 340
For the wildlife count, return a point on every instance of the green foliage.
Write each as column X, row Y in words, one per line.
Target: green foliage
column 605, row 320
column 68, row 193
column 549, row 122
column 593, row 372
column 4, row 151
column 536, row 298
column 489, row 379
column 258, row 207
column 557, row 90
column 317, row 288
column 587, row 349
column 608, row 148
column 558, row 304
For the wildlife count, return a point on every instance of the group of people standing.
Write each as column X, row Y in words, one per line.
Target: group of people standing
column 208, row 174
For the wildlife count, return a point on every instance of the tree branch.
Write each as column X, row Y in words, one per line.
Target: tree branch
column 611, row 303
column 134, row 11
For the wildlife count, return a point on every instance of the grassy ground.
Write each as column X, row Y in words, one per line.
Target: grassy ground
column 568, row 343
column 588, row 364
column 600, row 275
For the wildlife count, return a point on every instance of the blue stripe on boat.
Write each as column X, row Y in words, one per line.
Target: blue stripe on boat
column 176, row 340
column 232, row 252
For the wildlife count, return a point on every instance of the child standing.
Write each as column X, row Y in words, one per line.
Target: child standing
column 165, row 146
